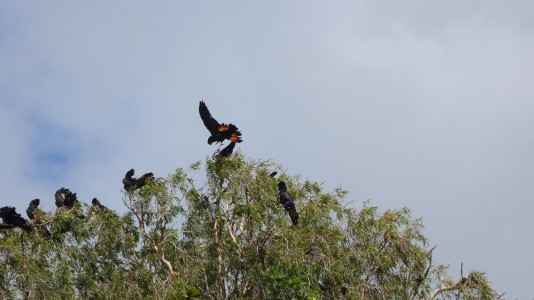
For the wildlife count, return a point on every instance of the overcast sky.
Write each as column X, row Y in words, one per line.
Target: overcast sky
column 421, row 104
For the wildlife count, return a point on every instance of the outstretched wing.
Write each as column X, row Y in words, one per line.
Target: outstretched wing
column 211, row 124
column 235, row 134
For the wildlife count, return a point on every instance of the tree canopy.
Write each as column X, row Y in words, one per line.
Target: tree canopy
column 226, row 236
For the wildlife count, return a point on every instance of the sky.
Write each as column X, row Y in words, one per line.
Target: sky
column 421, row 104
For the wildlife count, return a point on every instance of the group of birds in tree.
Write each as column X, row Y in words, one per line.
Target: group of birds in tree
column 67, row 199
column 220, row 132
column 64, row 199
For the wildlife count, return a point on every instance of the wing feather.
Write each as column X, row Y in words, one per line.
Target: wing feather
column 211, row 124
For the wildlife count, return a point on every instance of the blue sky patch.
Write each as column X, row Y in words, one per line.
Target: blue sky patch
column 54, row 150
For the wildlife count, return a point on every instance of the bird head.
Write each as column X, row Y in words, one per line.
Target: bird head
column 95, row 201
column 282, row 186
column 4, row 211
column 35, row 202
column 7, row 211
column 130, row 173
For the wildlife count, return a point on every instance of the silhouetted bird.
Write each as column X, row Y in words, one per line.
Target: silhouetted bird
column 5, row 226
column 64, row 197
column 273, row 174
column 60, row 196
column 30, row 211
column 96, row 203
column 287, row 201
column 11, row 217
column 70, row 200
column 219, row 132
column 131, row 183
column 227, row 151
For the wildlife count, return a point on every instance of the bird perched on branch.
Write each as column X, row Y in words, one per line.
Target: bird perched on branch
column 5, row 226
column 131, row 184
column 287, row 201
column 96, row 203
column 64, row 197
column 227, row 151
column 219, row 132
column 30, row 211
column 10, row 217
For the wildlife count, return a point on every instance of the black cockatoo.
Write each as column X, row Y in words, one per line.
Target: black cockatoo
column 227, row 151
column 131, row 183
column 70, row 200
column 287, row 201
column 30, row 211
column 219, row 132
column 96, row 203
column 64, row 197
column 10, row 216
column 5, row 226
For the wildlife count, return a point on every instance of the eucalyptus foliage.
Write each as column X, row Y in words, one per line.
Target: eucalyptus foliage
column 225, row 236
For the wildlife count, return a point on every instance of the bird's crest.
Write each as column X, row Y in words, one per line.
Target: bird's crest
column 130, row 173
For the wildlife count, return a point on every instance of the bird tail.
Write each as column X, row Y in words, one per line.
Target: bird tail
column 236, row 137
column 235, row 134
column 294, row 217
column 146, row 176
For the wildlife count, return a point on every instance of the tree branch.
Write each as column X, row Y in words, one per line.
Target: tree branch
column 220, row 273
